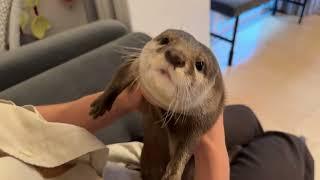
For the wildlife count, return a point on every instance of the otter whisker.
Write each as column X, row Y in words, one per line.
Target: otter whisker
column 166, row 120
column 188, row 101
column 128, row 52
column 129, row 48
column 166, row 114
column 163, row 117
column 134, row 81
column 171, row 109
column 169, row 116
column 139, row 39
column 184, row 100
column 177, row 119
column 174, row 108
column 130, row 56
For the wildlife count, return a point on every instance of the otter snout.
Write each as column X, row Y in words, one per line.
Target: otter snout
column 174, row 57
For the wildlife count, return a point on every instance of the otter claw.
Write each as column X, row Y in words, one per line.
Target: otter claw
column 99, row 107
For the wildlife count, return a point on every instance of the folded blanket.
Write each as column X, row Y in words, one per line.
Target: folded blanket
column 28, row 141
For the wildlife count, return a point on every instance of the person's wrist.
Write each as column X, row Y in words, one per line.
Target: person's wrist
column 214, row 151
column 207, row 144
column 213, row 140
column 211, row 161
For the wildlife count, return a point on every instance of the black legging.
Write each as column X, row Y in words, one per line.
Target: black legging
column 264, row 155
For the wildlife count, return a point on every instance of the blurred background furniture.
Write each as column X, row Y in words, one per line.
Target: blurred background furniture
column 311, row 7
column 299, row 4
column 233, row 8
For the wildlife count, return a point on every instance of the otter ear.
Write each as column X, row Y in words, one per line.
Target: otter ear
column 124, row 77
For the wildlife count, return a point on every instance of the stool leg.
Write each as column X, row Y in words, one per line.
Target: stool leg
column 275, row 8
column 233, row 40
column 302, row 13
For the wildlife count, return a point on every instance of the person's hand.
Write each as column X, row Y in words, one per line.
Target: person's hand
column 129, row 100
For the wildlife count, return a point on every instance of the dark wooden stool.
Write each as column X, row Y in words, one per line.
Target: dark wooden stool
column 233, row 8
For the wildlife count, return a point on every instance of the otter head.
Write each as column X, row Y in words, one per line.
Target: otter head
column 178, row 73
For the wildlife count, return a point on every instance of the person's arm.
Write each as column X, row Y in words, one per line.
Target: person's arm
column 77, row 112
column 211, row 157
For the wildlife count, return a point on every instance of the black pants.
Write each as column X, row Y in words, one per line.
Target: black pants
column 264, row 155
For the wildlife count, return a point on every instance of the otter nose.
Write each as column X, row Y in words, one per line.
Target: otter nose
column 174, row 58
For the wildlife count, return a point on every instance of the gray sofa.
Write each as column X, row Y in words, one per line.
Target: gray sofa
column 70, row 65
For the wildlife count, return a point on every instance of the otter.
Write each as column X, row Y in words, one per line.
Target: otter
column 183, row 94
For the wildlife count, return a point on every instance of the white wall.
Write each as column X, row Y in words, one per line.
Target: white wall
column 149, row 16
column 62, row 17
column 155, row 16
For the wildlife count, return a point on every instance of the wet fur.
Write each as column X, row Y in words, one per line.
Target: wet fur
column 168, row 150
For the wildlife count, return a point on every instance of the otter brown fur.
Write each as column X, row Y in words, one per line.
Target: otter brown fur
column 184, row 95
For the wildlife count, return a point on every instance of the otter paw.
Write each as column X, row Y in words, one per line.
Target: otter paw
column 99, row 107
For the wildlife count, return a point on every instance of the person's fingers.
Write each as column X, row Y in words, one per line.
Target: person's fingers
column 130, row 99
column 137, row 97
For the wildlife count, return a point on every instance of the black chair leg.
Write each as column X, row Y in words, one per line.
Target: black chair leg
column 233, row 41
column 302, row 13
column 275, row 8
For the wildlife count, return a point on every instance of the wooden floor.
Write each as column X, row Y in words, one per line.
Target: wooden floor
column 277, row 74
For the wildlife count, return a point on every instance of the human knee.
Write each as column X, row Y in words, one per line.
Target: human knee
column 243, row 114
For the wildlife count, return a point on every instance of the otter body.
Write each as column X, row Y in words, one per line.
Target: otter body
column 184, row 95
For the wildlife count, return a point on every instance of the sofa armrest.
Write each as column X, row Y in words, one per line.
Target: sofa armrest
column 32, row 59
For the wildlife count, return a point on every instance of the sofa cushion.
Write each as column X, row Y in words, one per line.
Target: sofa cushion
column 35, row 58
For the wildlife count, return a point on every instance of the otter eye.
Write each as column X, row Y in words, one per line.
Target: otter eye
column 164, row 41
column 199, row 65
